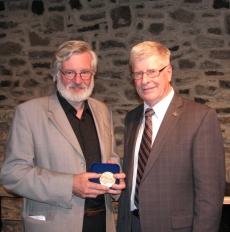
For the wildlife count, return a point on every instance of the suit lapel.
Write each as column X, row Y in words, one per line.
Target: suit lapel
column 58, row 116
column 101, row 128
column 169, row 122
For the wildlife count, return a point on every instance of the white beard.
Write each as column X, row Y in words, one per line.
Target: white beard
column 72, row 96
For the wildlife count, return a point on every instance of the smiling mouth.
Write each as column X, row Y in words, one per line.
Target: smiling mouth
column 148, row 89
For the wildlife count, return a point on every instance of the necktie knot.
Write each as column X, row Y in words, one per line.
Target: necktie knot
column 149, row 112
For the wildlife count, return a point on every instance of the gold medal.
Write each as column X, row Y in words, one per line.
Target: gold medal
column 107, row 179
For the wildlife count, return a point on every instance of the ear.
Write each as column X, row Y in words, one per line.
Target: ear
column 169, row 72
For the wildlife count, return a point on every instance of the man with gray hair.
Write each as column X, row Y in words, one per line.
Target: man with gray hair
column 51, row 145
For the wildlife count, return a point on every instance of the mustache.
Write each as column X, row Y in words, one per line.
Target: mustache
column 73, row 85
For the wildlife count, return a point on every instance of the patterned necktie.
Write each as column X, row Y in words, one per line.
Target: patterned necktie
column 145, row 147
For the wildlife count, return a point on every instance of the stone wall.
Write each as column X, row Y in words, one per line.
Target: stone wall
column 196, row 31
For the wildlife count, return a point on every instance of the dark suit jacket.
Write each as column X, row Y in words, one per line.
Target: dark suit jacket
column 42, row 157
column 183, row 185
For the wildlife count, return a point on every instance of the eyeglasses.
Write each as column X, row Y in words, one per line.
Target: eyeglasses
column 150, row 73
column 70, row 74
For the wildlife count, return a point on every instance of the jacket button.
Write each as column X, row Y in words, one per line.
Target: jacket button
column 82, row 164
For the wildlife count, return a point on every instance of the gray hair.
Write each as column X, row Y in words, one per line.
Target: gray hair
column 66, row 50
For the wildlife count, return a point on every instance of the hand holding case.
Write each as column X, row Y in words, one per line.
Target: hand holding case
column 104, row 167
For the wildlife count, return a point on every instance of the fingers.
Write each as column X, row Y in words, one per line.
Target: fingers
column 110, row 162
column 117, row 188
column 119, row 175
column 92, row 193
column 82, row 187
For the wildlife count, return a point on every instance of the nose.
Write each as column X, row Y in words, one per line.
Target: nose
column 145, row 78
column 77, row 78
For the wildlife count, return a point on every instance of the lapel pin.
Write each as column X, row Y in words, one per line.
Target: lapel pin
column 175, row 114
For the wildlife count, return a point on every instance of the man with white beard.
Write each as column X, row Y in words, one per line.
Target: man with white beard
column 51, row 145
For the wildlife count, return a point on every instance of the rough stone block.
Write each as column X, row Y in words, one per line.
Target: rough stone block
column 186, row 64
column 93, row 17
column 121, row 17
column 220, row 54
column 183, row 16
column 156, row 28
column 54, row 23
column 36, row 40
column 10, row 48
column 225, row 84
column 8, row 25
column 207, row 42
column 17, row 62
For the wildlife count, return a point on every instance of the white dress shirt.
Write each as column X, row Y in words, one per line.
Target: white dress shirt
column 160, row 109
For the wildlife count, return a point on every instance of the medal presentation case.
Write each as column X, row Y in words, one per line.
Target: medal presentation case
column 106, row 171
